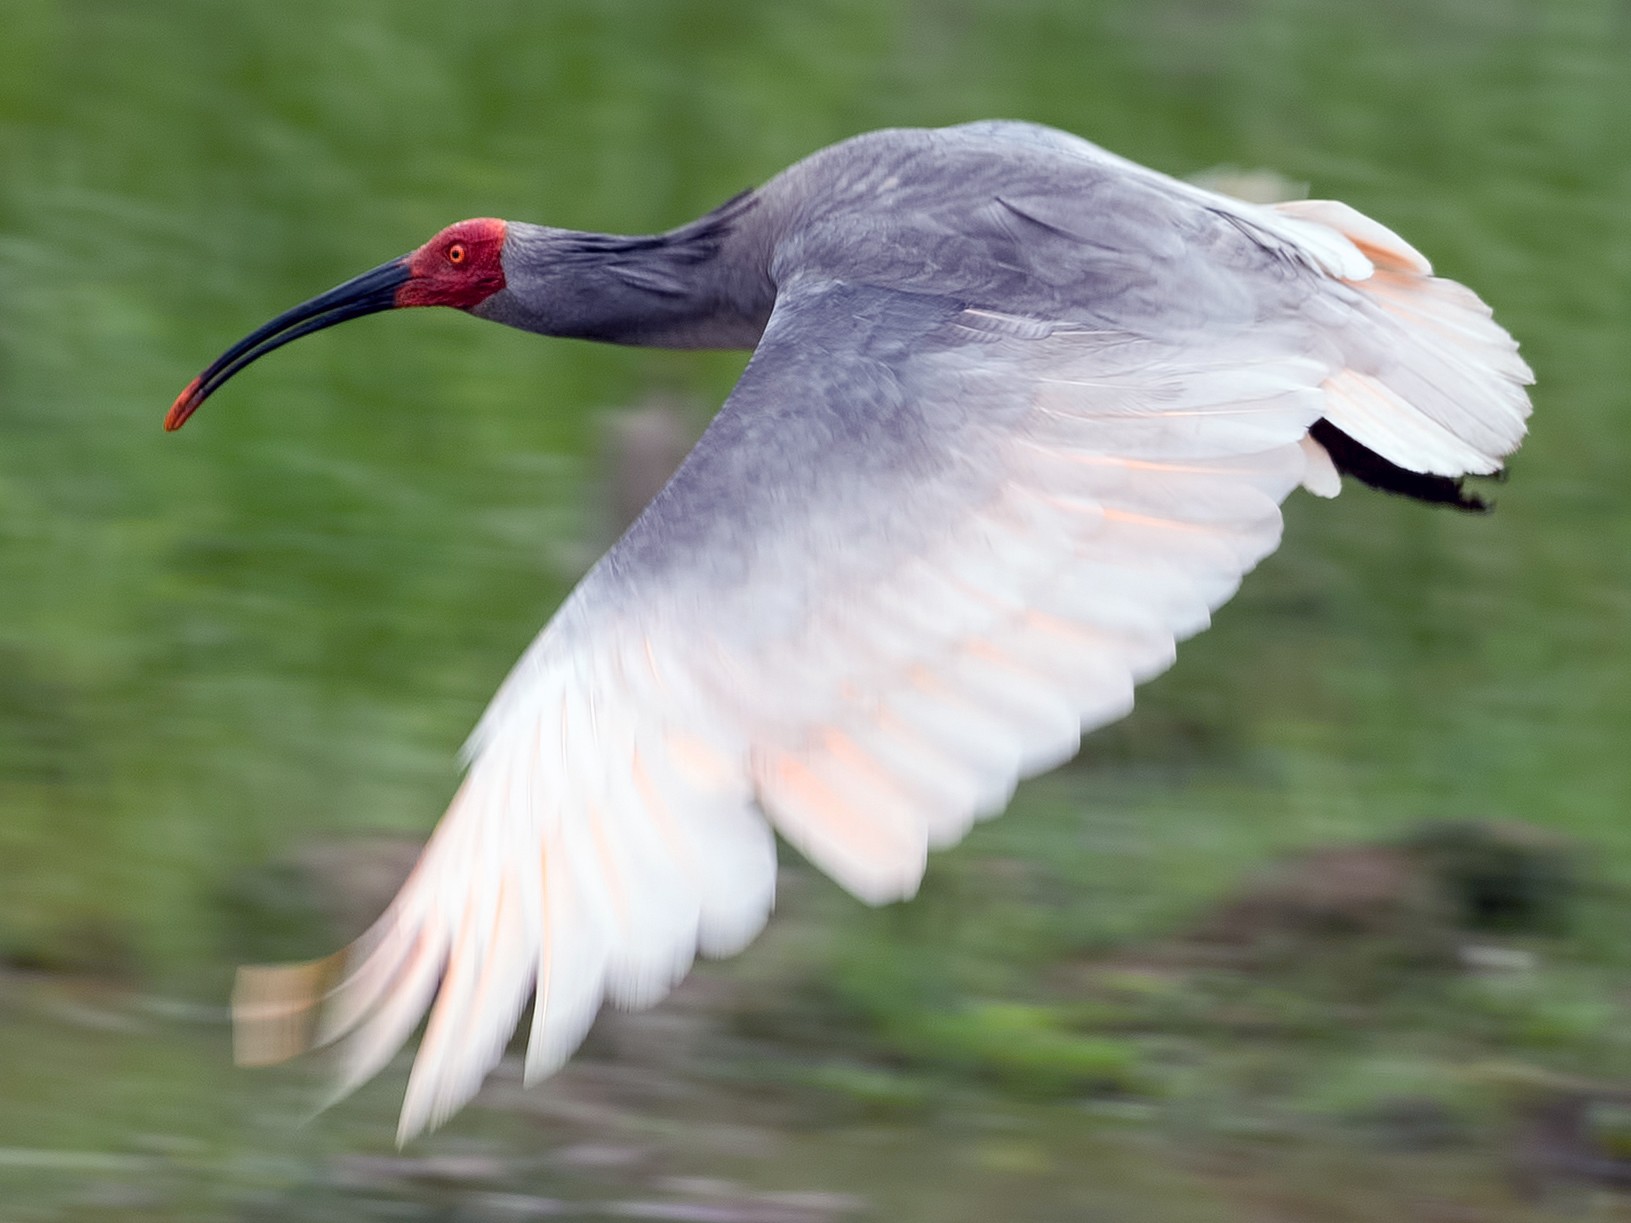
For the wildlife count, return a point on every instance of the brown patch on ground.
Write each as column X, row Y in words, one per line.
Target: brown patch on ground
column 1325, row 896
column 1419, row 897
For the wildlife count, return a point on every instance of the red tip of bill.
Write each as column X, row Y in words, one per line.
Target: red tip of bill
column 182, row 408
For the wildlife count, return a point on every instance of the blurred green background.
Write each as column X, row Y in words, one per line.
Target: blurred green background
column 226, row 654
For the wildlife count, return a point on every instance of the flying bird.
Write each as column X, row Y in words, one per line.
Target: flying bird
column 1019, row 415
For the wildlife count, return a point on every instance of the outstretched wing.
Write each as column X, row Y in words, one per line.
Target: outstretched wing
column 921, row 548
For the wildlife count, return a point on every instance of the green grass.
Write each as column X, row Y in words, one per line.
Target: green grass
column 280, row 623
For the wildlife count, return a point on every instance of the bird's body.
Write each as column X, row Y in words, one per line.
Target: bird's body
column 1020, row 414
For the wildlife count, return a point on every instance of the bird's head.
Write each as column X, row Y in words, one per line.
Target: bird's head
column 461, row 267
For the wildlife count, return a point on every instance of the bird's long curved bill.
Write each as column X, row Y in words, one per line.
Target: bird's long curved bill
column 366, row 294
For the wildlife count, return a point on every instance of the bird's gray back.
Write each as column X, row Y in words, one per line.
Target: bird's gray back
column 1027, row 220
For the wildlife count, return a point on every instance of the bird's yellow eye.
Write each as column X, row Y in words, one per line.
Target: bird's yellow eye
column 455, row 253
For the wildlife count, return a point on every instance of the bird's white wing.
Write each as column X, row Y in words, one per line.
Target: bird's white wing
column 921, row 548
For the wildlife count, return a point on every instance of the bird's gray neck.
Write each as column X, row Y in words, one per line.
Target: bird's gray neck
column 704, row 285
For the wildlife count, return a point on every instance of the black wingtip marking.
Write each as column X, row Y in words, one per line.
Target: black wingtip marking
column 1370, row 468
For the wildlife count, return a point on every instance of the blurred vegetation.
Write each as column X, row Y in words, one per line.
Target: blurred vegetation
column 220, row 647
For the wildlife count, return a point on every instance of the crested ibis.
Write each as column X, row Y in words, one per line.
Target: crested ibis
column 1019, row 415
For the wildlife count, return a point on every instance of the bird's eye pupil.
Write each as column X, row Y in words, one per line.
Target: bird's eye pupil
column 455, row 253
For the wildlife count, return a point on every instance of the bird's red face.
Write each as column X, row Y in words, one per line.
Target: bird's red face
column 461, row 267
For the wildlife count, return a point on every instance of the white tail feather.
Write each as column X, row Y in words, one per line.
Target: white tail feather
column 1433, row 383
